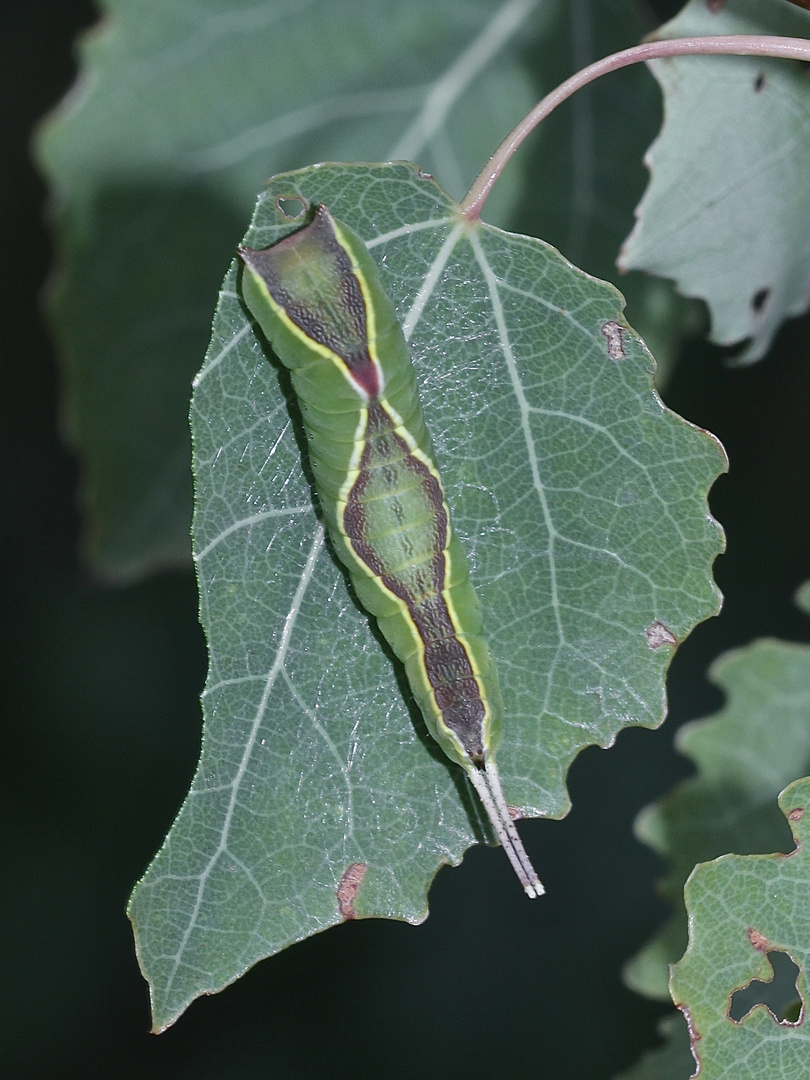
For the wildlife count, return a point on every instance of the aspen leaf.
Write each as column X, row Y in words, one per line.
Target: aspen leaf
column 581, row 502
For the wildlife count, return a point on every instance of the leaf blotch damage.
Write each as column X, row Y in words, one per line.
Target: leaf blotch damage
column 613, row 334
column 779, row 995
column 657, row 635
column 757, row 940
column 347, row 889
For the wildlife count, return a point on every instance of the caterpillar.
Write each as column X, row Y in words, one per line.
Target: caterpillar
column 318, row 298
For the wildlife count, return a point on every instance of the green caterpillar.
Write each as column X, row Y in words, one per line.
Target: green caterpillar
column 317, row 296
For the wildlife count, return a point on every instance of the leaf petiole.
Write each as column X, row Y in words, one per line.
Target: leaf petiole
column 731, row 45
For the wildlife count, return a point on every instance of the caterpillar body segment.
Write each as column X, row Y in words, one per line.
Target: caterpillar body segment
column 318, row 298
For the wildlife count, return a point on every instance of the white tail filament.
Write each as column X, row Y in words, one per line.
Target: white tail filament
column 487, row 783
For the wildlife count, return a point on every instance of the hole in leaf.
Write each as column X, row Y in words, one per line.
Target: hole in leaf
column 759, row 82
column 779, row 995
column 291, row 207
column 759, row 300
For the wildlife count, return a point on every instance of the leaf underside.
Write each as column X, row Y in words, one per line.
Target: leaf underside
column 725, row 215
column 582, row 504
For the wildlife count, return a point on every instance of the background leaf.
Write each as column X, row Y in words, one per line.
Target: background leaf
column 181, row 114
column 740, row 907
column 671, row 1061
column 727, row 208
column 581, row 501
column 745, row 755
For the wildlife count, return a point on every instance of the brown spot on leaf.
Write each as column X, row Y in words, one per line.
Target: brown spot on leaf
column 715, row 6
column 613, row 334
column 347, row 889
column 757, row 940
column 796, row 814
column 658, row 635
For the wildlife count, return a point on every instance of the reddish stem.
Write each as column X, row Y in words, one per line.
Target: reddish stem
column 734, row 45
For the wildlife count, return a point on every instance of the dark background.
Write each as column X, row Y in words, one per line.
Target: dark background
column 99, row 736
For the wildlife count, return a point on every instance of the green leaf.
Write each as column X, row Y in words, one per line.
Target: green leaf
column 180, row 115
column 582, row 503
column 726, row 211
column 731, row 804
column 741, row 907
